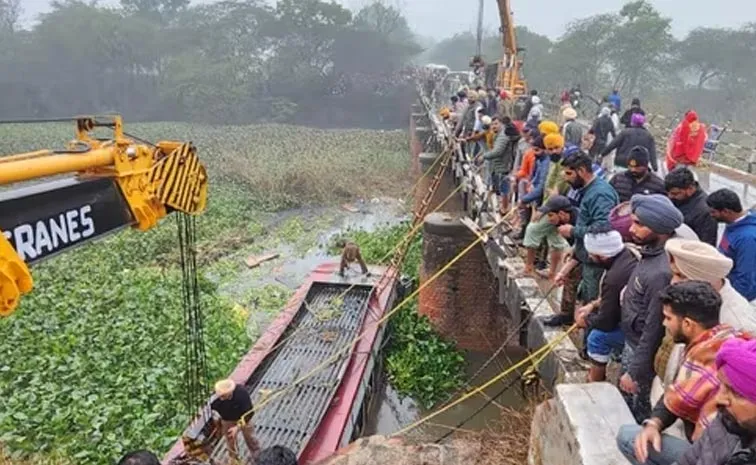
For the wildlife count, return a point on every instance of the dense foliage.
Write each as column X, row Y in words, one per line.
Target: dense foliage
column 232, row 61
column 419, row 363
column 93, row 359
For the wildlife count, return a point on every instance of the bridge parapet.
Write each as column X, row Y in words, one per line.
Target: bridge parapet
column 522, row 297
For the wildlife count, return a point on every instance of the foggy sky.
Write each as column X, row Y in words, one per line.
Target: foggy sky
column 442, row 18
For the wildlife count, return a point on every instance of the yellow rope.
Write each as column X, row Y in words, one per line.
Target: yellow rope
column 349, row 345
column 406, row 238
column 538, row 356
column 425, row 173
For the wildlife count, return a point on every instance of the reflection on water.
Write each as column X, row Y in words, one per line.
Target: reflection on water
column 392, row 412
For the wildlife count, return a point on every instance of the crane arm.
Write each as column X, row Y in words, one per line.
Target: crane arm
column 110, row 185
column 509, row 39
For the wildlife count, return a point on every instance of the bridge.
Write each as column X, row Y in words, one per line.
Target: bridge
column 485, row 294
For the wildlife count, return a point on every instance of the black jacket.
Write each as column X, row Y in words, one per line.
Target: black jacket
column 696, row 215
column 642, row 311
column 628, row 115
column 609, row 314
column 629, row 138
column 627, row 186
column 602, row 127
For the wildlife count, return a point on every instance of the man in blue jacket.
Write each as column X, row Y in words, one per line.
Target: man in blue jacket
column 738, row 241
column 616, row 100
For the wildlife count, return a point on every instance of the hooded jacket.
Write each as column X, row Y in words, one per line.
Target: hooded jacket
column 696, row 215
column 538, row 181
column 739, row 244
column 629, row 138
column 642, row 310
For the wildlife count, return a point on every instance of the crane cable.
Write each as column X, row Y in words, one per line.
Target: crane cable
column 195, row 356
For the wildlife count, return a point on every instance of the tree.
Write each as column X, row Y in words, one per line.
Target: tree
column 641, row 47
column 583, row 53
column 10, row 12
column 708, row 52
column 162, row 11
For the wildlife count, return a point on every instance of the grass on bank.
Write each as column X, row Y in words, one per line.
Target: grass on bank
column 93, row 358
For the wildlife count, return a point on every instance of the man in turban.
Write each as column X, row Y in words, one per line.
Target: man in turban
column 635, row 135
column 572, row 131
column 654, row 219
column 696, row 260
column 730, row 437
column 692, row 318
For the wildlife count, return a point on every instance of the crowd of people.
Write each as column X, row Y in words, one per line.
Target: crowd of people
column 643, row 266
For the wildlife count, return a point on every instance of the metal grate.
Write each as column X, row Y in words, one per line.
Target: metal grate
column 325, row 328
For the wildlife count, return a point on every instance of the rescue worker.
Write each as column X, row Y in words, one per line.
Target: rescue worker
column 501, row 158
column 350, row 254
column 596, row 202
column 601, row 317
column 231, row 404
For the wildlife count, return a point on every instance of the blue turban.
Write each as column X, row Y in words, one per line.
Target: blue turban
column 656, row 212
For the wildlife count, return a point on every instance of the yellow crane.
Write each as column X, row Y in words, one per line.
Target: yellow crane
column 507, row 73
column 111, row 183
column 510, row 76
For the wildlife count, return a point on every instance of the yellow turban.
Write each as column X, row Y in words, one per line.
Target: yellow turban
column 548, row 127
column 553, row 141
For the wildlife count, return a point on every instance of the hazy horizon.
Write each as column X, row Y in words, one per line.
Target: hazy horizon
column 428, row 19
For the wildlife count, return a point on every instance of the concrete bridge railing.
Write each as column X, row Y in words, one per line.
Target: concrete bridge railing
column 485, row 297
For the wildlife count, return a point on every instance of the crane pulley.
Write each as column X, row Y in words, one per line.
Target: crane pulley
column 112, row 183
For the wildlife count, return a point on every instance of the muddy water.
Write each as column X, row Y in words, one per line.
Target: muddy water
column 392, row 412
column 294, row 264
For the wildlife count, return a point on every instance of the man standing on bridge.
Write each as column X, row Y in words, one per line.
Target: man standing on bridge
column 690, row 199
column 738, row 241
column 655, row 220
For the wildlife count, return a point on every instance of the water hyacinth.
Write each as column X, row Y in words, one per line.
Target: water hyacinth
column 93, row 358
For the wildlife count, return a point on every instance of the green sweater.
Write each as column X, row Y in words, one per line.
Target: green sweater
column 555, row 180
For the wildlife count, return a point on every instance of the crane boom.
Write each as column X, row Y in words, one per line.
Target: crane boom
column 112, row 184
column 509, row 73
